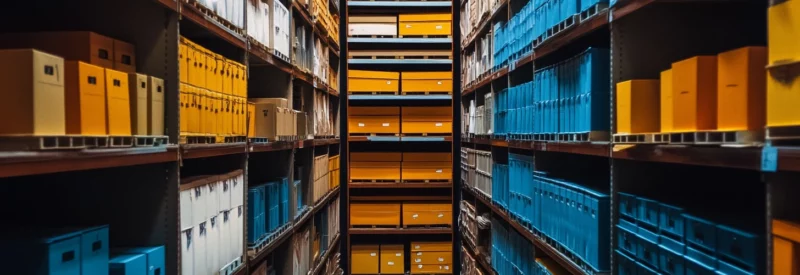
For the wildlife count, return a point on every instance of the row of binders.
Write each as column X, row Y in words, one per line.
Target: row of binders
column 390, row 214
column 77, row 83
column 416, row 121
column 84, row 251
column 385, row 82
column 657, row 237
column 400, row 167
column 212, row 223
column 425, row 258
column 476, row 170
column 438, row 24
column 268, row 211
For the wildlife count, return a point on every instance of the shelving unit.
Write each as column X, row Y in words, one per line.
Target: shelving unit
column 136, row 190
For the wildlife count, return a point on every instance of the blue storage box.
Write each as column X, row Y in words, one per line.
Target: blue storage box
column 94, row 250
column 628, row 205
column 700, row 232
column 724, row 268
column 671, row 220
column 626, row 265
column 254, row 211
column 627, row 240
column 648, row 250
column 644, row 269
column 284, row 200
column 737, row 246
column 671, row 254
column 648, row 212
column 699, row 263
column 298, row 190
column 154, row 256
column 42, row 252
column 128, row 264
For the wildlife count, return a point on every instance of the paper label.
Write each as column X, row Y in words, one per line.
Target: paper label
column 438, row 124
column 389, row 82
column 390, row 263
column 372, row 254
column 441, row 259
column 418, row 260
column 447, row 267
column 439, row 171
column 417, row 247
column 438, row 27
column 769, row 159
column 415, row 216
column 385, row 125
column 399, row 254
column 361, row 125
column 419, row 266
column 419, row 253
column 439, row 82
column 408, row 26
column 441, row 215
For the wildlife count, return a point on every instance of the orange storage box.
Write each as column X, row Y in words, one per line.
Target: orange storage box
column 124, row 56
column 419, row 171
column 666, row 101
column 32, row 102
column 368, row 214
column 638, row 106
column 427, row 214
column 118, row 109
column 373, row 81
column 85, row 95
column 741, row 89
column 783, row 29
column 375, row 156
column 374, row 120
column 783, row 84
column 431, row 246
column 431, row 269
column 432, row 258
column 427, row 120
column 786, row 240
column 425, row 24
column 694, row 86
column 424, row 82
column 364, row 259
column 374, row 171
column 427, row 156
column 392, row 260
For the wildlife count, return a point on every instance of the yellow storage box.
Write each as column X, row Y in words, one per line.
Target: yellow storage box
column 118, row 109
column 85, row 95
column 427, row 157
column 427, row 120
column 184, row 104
column 427, row 82
column 213, row 78
column 251, row 120
column 373, row 81
column 364, row 259
column 431, row 246
column 783, row 30
column 413, row 171
column 183, row 61
column 211, row 105
column 638, row 106
column 375, row 156
column 425, row 24
column 155, row 108
column 694, row 94
column 430, row 269
column 741, row 89
column 374, row 171
column 666, row 101
column 32, row 102
column 431, row 258
column 368, row 214
column 138, row 102
column 427, row 214
column 786, row 240
column 783, row 97
column 392, row 260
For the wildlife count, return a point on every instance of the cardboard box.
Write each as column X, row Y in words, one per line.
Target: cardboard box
column 431, row 246
column 302, row 124
column 83, row 46
column 372, row 25
column 741, row 89
column 85, row 95
column 251, row 120
column 155, row 106
column 694, row 94
column 428, row 214
column 638, row 106
column 373, row 81
column 266, row 120
column 138, row 102
column 118, row 109
column 34, row 96
column 432, row 258
column 124, row 56
column 364, row 259
column 424, row 171
column 666, row 101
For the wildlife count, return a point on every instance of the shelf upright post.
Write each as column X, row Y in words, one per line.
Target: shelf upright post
column 344, row 191
column 456, row 110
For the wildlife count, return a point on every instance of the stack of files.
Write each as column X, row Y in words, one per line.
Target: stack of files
column 511, row 253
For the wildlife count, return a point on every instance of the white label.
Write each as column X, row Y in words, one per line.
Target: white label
column 438, row 27
column 419, row 253
column 385, row 125
column 419, row 266
column 417, row 247
column 390, row 263
column 439, row 82
column 408, row 26
column 440, row 267
column 441, row 259
column 361, row 125
column 389, row 82
column 417, row 260
column 441, row 215
column 372, row 254
column 438, row 124
column 439, row 171
column 399, row 254
column 447, row 267
column 415, row 216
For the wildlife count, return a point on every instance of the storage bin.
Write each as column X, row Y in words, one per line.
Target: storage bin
column 638, row 106
column 130, row 264
column 94, row 250
column 370, row 214
column 426, row 171
column 741, row 85
column 699, row 263
column 365, row 259
column 118, row 110
column 625, row 264
column 694, row 92
column 628, row 205
column 430, row 269
column 737, row 246
column 392, row 259
column 670, row 221
column 426, row 120
column 427, row 214
column 627, row 240
column 374, row 125
column 431, row 258
column 369, row 171
column 670, row 257
column 423, row 157
column 700, row 233
column 782, row 28
column 666, row 101
column 155, row 107
column 85, row 96
column 647, row 250
column 649, row 212
column 423, row 82
column 138, row 102
column 785, row 238
column 425, row 24
column 34, row 96
column 372, row 25
column 431, row 246
column 373, row 81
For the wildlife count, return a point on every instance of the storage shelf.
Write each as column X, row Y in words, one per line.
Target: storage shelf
column 324, row 258
column 395, row 40
column 399, row 97
column 404, row 4
column 486, row 22
column 264, row 56
column 399, row 61
column 14, row 164
column 400, row 139
column 192, row 151
column 581, row 148
column 485, row 81
column 400, row 231
column 278, row 146
column 551, row 252
column 214, row 27
column 487, row 268
column 741, row 158
column 399, row 198
column 365, row 185
column 170, row 4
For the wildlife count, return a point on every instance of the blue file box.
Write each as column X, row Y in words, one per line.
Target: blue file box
column 94, row 250
column 646, row 270
column 648, row 212
column 671, row 253
column 628, row 205
column 626, row 265
column 648, row 249
column 724, row 268
column 699, row 263
column 700, row 233
column 128, row 264
column 671, row 220
column 154, row 256
column 737, row 246
column 627, row 240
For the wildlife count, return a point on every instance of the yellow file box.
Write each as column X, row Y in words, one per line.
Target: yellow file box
column 427, row 214
column 199, row 60
column 694, row 86
column 638, row 106
column 183, row 61
column 439, row 157
column 138, row 88
column 427, row 120
column 783, row 29
column 365, row 259
column 367, row 171
column 392, row 260
column 184, row 104
column 213, row 80
column 155, row 108
column 118, row 109
column 375, row 214
column 373, row 81
column 417, row 82
column 424, row 171
column 425, row 24
column 85, row 95
column 432, row 258
column 430, row 269
column 431, row 246
column 666, row 101
column 741, row 89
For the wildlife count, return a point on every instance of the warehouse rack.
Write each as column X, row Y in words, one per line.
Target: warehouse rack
column 146, row 180
column 756, row 173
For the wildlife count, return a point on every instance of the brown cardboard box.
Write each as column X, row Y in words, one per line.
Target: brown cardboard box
column 32, row 102
column 71, row 45
column 266, row 120
column 138, row 100
column 302, row 125
column 124, row 56
column 155, row 108
column 280, row 102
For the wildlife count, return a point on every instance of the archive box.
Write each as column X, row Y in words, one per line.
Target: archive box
column 372, row 25
column 209, row 103
column 183, row 60
column 34, row 96
column 426, row 171
column 85, row 96
column 373, row 81
column 131, row 264
column 124, row 56
column 213, row 71
column 83, row 46
column 155, row 257
column 741, row 84
column 375, row 214
column 197, row 61
column 783, row 28
column 638, row 106
column 432, row 258
column 418, row 82
column 427, row 214
column 417, row 157
column 425, row 24
column 118, row 109
column 785, row 241
column 431, row 246
column 670, row 255
column 374, row 171
column 694, row 94
column 155, row 106
column 783, row 99
column 666, row 101
column 138, row 102
column 251, row 120
column 374, row 120
column 94, row 250
column 269, row 119
column 365, row 259
column 430, row 269
column 427, row 120
column 392, row 260
column 184, row 103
